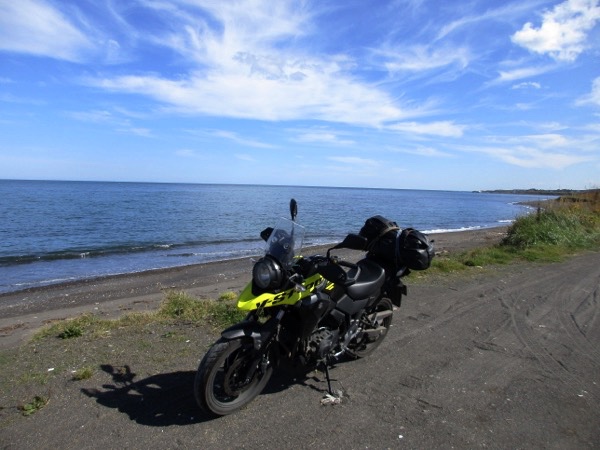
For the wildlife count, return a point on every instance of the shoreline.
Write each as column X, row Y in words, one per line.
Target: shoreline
column 22, row 312
column 309, row 249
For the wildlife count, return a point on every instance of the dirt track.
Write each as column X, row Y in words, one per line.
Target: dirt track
column 509, row 359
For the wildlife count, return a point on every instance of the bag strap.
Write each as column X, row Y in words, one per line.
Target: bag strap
column 381, row 234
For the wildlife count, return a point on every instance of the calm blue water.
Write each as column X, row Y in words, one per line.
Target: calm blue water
column 54, row 231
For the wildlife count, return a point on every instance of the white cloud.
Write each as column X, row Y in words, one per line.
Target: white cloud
column 538, row 151
column 36, row 27
column 325, row 93
column 593, row 98
column 563, row 31
column 423, row 151
column 323, row 136
column 421, row 58
column 531, row 157
column 442, row 128
column 104, row 117
column 548, row 140
column 239, row 140
column 527, row 85
column 550, row 126
column 519, row 74
column 95, row 116
column 504, row 12
column 248, row 64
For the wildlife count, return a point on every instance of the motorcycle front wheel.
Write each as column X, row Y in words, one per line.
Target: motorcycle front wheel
column 365, row 343
column 229, row 377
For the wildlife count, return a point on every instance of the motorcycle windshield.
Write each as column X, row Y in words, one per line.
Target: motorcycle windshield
column 285, row 242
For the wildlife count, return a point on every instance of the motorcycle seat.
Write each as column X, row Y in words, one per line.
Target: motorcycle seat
column 369, row 278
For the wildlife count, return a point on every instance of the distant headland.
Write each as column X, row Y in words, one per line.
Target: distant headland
column 557, row 192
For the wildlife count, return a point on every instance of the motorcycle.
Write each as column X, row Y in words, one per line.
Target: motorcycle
column 309, row 311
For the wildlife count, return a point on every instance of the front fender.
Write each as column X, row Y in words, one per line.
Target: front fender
column 255, row 331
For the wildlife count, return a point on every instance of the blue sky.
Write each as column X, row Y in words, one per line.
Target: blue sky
column 415, row 94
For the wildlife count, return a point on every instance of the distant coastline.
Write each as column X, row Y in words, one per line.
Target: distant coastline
column 557, row 192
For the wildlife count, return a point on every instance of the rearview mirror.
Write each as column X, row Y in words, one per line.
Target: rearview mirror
column 293, row 209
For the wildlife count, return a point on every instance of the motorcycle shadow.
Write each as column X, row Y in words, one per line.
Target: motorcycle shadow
column 167, row 399
column 159, row 400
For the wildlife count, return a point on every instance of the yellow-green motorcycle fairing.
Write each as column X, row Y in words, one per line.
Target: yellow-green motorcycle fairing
column 247, row 301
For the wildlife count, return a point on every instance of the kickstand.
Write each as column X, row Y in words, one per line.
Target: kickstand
column 326, row 364
column 330, row 398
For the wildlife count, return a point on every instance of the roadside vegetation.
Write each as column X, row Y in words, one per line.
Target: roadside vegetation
column 177, row 307
column 557, row 229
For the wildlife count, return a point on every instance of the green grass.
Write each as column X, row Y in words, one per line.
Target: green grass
column 219, row 313
column 85, row 373
column 177, row 307
column 38, row 402
column 560, row 229
column 564, row 228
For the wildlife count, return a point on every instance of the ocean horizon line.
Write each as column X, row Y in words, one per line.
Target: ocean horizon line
column 199, row 183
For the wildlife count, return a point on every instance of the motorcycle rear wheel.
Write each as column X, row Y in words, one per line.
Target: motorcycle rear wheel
column 221, row 385
column 365, row 344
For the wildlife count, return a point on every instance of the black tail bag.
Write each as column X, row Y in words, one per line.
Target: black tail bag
column 397, row 248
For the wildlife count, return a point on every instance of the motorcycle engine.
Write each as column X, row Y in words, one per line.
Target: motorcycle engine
column 321, row 342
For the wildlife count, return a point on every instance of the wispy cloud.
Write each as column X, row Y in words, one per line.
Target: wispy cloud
column 354, row 161
column 11, row 98
column 245, row 157
column 593, row 98
column 502, row 13
column 422, row 58
column 527, row 85
column 322, row 136
column 247, row 64
column 190, row 153
column 36, row 27
column 324, row 93
column 533, row 158
column 538, row 151
column 230, row 136
column 508, row 76
column 442, row 128
column 109, row 118
column 235, row 137
column 429, row 152
column 95, row 116
column 138, row 131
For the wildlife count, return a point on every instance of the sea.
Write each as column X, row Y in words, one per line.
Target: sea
column 59, row 231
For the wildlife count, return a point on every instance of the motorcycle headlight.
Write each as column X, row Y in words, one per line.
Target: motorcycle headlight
column 267, row 274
